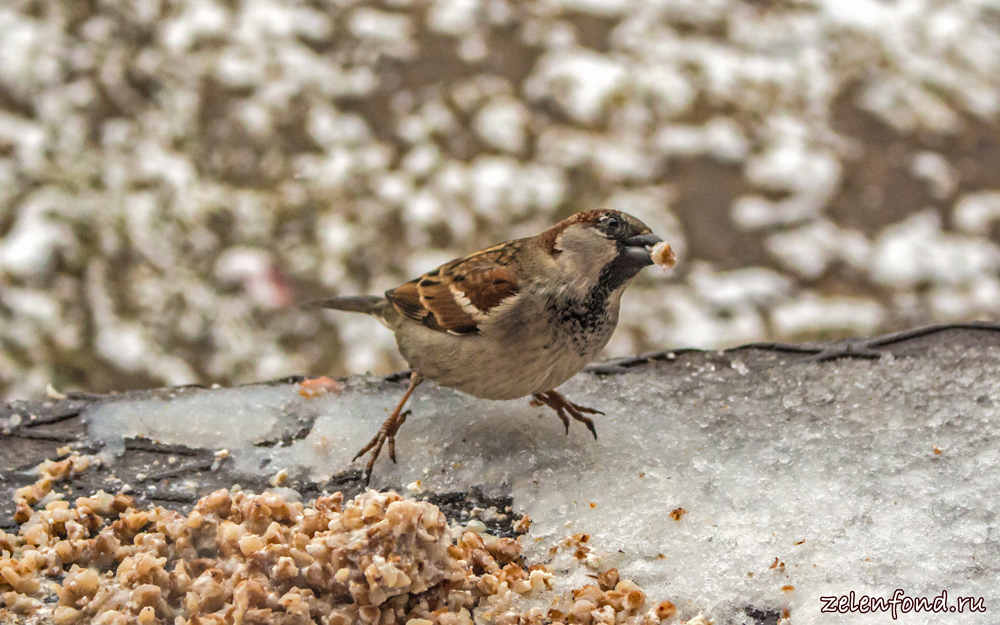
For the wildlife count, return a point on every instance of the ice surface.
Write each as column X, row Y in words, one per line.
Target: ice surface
column 219, row 419
column 798, row 481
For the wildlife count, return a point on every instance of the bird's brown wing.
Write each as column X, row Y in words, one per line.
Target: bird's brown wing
column 460, row 294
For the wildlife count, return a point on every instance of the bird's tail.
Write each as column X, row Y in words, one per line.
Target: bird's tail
column 368, row 304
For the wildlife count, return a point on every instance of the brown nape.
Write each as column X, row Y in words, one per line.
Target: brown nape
column 555, row 400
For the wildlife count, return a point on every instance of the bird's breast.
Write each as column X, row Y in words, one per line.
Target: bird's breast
column 531, row 346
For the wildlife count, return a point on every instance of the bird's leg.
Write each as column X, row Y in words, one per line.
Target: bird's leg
column 555, row 400
column 392, row 435
column 388, row 430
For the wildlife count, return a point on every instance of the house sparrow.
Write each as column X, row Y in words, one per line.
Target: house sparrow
column 516, row 319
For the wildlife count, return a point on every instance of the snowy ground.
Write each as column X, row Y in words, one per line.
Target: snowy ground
column 790, row 480
column 174, row 177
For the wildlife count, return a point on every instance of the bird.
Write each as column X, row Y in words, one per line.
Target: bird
column 516, row 319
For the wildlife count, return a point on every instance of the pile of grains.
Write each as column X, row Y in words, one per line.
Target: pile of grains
column 244, row 558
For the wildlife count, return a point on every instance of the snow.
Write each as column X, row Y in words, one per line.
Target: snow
column 501, row 124
column 233, row 418
column 843, row 315
column 501, row 185
column 810, row 249
column 754, row 212
column 300, row 130
column 917, row 250
column 368, row 23
column 937, row 171
column 31, row 247
column 976, row 212
column 733, row 288
column 454, row 17
column 826, row 478
column 254, row 270
column 584, row 81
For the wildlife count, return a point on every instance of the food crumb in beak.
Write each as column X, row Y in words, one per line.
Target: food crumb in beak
column 663, row 256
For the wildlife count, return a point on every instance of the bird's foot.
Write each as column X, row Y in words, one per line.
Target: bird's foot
column 392, row 435
column 387, row 433
column 555, row 400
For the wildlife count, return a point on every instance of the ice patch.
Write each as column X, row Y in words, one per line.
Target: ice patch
column 226, row 418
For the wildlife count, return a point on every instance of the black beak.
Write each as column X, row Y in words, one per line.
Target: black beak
column 637, row 248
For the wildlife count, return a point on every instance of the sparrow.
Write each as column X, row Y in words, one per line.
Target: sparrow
column 513, row 320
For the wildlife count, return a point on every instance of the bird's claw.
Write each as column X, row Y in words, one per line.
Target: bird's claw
column 561, row 405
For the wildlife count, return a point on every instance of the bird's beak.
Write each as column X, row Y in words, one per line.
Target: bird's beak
column 638, row 248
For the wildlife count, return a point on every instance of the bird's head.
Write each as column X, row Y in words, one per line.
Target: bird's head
column 601, row 245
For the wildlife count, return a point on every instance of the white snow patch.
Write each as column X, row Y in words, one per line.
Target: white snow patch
column 917, row 250
column 368, row 23
column 937, row 171
column 501, row 123
column 254, row 269
column 454, row 17
column 422, row 159
column 227, row 418
column 978, row 297
column 38, row 235
column 196, row 20
column 728, row 289
column 499, row 183
column 581, row 81
column 675, row 316
column 809, row 250
column 29, row 138
column 975, row 213
column 789, row 163
column 811, row 314
column 720, row 138
column 755, row 212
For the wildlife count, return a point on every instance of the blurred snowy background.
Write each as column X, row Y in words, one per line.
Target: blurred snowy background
column 176, row 175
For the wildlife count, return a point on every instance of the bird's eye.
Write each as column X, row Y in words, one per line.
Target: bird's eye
column 611, row 223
